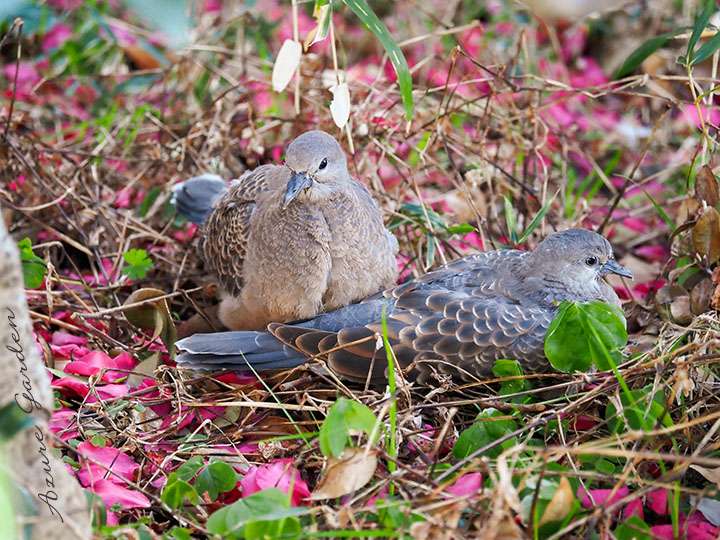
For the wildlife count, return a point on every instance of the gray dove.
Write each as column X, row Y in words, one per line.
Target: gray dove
column 457, row 320
column 290, row 241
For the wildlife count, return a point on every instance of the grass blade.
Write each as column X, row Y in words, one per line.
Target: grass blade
column 639, row 55
column 707, row 49
column 376, row 26
column 701, row 21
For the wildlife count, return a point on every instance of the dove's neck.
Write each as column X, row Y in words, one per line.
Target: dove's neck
column 552, row 285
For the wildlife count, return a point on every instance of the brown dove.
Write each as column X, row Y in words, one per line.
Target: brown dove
column 290, row 241
column 457, row 320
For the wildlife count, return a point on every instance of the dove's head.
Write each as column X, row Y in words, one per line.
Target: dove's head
column 317, row 164
column 577, row 260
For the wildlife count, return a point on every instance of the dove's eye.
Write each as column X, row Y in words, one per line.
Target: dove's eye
column 323, row 164
column 591, row 261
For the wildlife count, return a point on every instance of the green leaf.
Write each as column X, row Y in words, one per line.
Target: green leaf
column 707, row 49
column 218, row 477
column 13, row 420
column 660, row 211
column 33, row 267
column 343, row 416
column 268, row 506
column 138, row 263
column 701, row 21
column 189, row 469
column 397, row 58
column 633, row 528
column 510, row 219
column 581, row 334
column 486, row 429
column 176, row 491
column 639, row 55
column 178, row 533
column 535, row 222
column 460, row 228
column 509, row 368
column 643, row 410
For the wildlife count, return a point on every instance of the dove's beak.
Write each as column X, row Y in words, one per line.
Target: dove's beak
column 612, row 267
column 298, row 182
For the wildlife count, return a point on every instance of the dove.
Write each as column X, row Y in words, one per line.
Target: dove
column 456, row 320
column 290, row 241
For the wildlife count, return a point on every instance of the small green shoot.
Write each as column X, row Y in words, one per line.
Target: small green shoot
column 33, row 267
column 344, row 415
column 137, row 263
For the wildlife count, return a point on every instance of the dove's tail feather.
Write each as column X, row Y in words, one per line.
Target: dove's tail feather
column 195, row 198
column 236, row 351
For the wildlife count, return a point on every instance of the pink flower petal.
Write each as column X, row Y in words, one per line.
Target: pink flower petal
column 657, row 501
column 98, row 459
column 663, row 532
column 112, row 494
column 634, row 508
column 63, row 424
column 280, row 474
column 64, row 338
column 600, row 497
column 467, row 484
column 56, row 36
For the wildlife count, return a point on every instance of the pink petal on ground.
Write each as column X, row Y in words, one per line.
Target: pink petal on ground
column 109, row 391
column 65, row 4
column 99, row 458
column 68, row 351
column 636, row 224
column 71, row 384
column 467, row 484
column 112, row 494
column 212, row 6
column 63, row 424
column 123, row 198
column 56, row 36
column 657, row 501
column 236, row 378
column 634, row 508
column 663, row 532
column 64, row 338
column 600, row 497
column 280, row 474
column 474, row 240
column 27, row 76
column 584, row 422
column 690, row 115
column 653, row 253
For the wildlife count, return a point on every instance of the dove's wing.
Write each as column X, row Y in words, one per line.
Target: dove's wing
column 227, row 227
column 459, row 319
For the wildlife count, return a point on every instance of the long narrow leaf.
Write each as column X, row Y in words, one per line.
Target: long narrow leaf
column 376, row 26
column 535, row 221
column 707, row 50
column 701, row 21
column 639, row 55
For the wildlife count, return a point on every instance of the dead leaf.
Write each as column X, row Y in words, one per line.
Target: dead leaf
column 322, row 15
column 348, row 473
column 706, row 235
column 340, row 105
column 712, row 475
column 152, row 317
column 141, row 58
column 706, row 186
column 287, row 61
column 715, row 301
column 144, row 369
column 560, row 504
column 700, row 296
